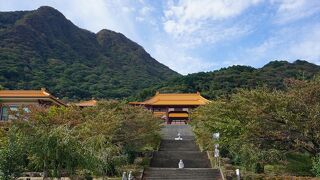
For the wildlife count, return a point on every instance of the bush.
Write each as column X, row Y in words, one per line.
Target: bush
column 316, row 165
column 98, row 140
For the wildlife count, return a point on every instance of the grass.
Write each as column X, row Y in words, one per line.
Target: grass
column 297, row 164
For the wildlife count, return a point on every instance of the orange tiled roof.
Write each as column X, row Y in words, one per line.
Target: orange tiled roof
column 175, row 99
column 29, row 94
column 87, row 103
column 23, row 93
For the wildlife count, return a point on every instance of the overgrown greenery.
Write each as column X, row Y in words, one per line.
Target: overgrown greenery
column 41, row 48
column 224, row 82
column 68, row 141
column 263, row 127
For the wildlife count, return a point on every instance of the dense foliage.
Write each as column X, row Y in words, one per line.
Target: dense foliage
column 42, row 48
column 261, row 126
column 223, row 82
column 62, row 141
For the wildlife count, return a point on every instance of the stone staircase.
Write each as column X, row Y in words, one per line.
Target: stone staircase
column 182, row 174
column 164, row 164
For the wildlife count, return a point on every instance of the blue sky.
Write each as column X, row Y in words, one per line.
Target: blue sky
column 201, row 35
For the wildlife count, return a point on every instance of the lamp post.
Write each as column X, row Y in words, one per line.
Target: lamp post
column 130, row 176
column 216, row 137
column 124, row 176
column 238, row 174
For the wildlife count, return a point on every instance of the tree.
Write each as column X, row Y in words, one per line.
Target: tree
column 117, row 131
column 12, row 153
column 259, row 126
column 70, row 141
column 55, row 145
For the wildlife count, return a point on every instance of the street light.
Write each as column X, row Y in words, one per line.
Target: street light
column 238, row 174
column 130, row 176
column 124, row 176
column 216, row 137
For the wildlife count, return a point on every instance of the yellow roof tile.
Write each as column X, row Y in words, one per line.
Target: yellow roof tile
column 24, row 93
column 11, row 94
column 175, row 99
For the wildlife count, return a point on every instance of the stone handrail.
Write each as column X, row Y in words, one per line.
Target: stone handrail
column 212, row 165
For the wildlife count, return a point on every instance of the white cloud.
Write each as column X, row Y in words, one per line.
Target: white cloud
column 145, row 14
column 285, row 44
column 205, row 21
column 180, row 60
column 189, row 10
column 292, row 10
column 308, row 47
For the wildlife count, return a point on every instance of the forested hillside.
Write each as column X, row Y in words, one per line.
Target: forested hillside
column 42, row 48
column 225, row 81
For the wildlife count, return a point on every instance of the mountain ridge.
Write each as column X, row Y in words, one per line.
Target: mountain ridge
column 42, row 48
column 225, row 81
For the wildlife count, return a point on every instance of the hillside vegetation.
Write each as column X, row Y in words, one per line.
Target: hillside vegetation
column 42, row 48
column 224, row 82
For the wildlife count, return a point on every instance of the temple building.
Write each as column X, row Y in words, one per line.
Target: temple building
column 12, row 99
column 173, row 107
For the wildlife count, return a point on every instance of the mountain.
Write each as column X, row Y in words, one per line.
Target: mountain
column 225, row 81
column 42, row 48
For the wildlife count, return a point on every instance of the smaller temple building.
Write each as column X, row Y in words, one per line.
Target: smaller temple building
column 173, row 107
column 12, row 99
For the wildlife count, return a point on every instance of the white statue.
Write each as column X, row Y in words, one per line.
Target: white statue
column 179, row 137
column 181, row 164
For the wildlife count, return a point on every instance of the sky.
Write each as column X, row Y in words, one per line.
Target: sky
column 191, row 36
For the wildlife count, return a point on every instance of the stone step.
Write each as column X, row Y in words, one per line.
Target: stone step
column 170, row 159
column 184, row 145
column 170, row 132
column 186, row 173
column 172, row 137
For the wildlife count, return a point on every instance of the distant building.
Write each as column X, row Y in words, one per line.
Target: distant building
column 173, row 107
column 89, row 103
column 12, row 99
